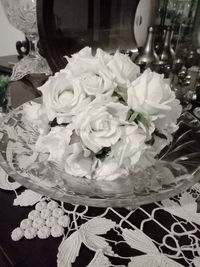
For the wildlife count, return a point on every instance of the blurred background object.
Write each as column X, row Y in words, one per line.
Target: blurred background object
column 144, row 17
column 147, row 55
column 4, row 95
column 22, row 15
column 176, row 30
column 11, row 35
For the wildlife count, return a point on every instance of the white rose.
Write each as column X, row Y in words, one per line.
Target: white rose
column 96, row 83
column 84, row 61
column 35, row 114
column 79, row 60
column 123, row 69
column 55, row 143
column 160, row 143
column 78, row 162
column 92, row 73
column 98, row 125
column 148, row 157
column 146, row 160
column 151, row 96
column 78, row 63
column 167, row 122
column 109, row 170
column 128, row 150
column 62, row 98
column 86, row 52
column 103, row 56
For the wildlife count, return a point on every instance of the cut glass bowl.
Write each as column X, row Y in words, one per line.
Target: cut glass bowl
column 176, row 169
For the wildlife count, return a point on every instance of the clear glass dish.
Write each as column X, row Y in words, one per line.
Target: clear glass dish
column 176, row 169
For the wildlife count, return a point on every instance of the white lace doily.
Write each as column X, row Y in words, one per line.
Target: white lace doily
column 160, row 234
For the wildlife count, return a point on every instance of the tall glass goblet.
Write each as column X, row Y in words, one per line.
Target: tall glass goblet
column 22, row 15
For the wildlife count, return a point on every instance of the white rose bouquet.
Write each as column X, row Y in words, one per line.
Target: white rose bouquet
column 101, row 119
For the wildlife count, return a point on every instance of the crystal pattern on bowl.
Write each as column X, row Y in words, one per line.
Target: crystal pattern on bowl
column 22, row 15
column 176, row 169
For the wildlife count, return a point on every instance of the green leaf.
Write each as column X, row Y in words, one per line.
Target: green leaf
column 141, row 118
column 157, row 133
column 54, row 123
column 4, row 81
column 3, row 89
column 133, row 116
column 103, row 153
column 151, row 141
column 136, row 117
column 121, row 99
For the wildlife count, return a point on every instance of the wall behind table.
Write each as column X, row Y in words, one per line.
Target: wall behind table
column 8, row 36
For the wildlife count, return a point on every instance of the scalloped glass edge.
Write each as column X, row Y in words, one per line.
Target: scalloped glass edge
column 180, row 162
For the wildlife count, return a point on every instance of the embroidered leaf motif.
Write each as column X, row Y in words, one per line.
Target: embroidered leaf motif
column 90, row 231
column 27, row 198
column 98, row 226
column 186, row 210
column 99, row 260
column 5, row 183
column 69, row 250
column 138, row 240
column 196, row 262
column 153, row 261
column 95, row 242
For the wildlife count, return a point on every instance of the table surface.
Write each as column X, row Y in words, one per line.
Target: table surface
column 6, row 63
column 25, row 89
column 159, row 234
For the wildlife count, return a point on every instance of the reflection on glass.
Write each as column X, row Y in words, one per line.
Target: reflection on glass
column 184, row 17
column 99, row 23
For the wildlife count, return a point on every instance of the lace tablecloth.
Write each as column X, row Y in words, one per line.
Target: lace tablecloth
column 161, row 234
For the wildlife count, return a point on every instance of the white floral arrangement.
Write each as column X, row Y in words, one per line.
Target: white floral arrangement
column 102, row 119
